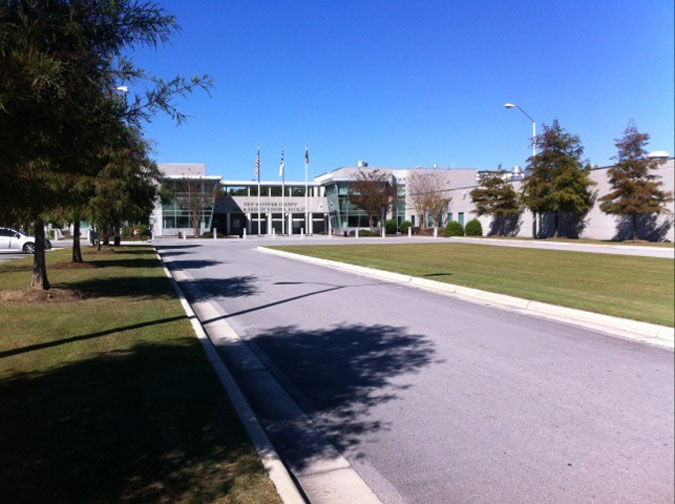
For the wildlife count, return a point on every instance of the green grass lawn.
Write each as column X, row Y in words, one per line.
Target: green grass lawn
column 110, row 398
column 639, row 288
column 583, row 241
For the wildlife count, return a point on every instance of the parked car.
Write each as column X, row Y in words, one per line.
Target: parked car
column 11, row 239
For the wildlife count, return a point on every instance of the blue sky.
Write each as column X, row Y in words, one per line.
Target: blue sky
column 401, row 84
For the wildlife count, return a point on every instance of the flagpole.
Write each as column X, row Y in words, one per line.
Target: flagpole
column 258, row 173
column 306, row 190
column 283, row 193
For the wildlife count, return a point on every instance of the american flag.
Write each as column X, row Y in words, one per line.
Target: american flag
column 306, row 155
column 257, row 165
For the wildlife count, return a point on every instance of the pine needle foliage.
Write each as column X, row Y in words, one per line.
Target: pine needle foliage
column 635, row 188
column 496, row 197
column 557, row 180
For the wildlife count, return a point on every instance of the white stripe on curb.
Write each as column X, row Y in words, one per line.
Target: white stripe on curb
column 285, row 486
column 653, row 334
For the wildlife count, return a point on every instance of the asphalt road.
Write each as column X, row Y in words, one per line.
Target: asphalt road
column 437, row 400
column 9, row 255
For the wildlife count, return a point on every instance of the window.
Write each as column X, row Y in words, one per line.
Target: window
column 460, row 218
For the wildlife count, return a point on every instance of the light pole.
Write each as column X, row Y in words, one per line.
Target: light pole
column 534, row 153
column 534, row 127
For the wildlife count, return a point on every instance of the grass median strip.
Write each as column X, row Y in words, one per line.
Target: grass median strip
column 110, row 398
column 639, row 288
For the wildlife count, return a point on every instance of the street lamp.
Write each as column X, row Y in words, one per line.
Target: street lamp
column 534, row 127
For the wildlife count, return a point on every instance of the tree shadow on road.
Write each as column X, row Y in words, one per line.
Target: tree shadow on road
column 192, row 264
column 199, row 289
column 338, row 375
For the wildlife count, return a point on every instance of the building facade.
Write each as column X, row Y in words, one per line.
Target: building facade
column 595, row 224
column 322, row 205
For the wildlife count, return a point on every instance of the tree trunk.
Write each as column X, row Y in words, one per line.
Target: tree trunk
column 116, row 240
column 370, row 222
column 77, row 251
column 555, row 225
column 98, row 240
column 635, row 227
column 39, row 280
column 106, row 235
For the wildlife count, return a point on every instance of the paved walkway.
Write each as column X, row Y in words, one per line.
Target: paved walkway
column 432, row 399
column 637, row 250
column 9, row 255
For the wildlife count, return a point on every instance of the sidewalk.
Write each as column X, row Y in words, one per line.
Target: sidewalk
column 599, row 248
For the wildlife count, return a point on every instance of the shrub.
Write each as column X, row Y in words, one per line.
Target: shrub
column 208, row 234
column 364, row 232
column 390, row 226
column 473, row 228
column 453, row 228
column 143, row 230
column 404, row 226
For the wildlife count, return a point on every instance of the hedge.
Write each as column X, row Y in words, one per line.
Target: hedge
column 453, row 228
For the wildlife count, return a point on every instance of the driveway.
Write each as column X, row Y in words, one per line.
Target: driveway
column 9, row 255
column 437, row 400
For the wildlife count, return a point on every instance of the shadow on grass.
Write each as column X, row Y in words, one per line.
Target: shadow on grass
column 136, row 286
column 437, row 274
column 49, row 344
column 149, row 424
column 8, row 267
column 337, row 375
column 126, row 263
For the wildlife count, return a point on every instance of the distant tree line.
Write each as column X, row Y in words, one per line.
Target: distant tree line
column 72, row 146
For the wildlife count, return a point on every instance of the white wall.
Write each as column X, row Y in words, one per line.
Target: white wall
column 597, row 224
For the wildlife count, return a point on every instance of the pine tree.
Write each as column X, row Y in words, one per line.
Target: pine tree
column 557, row 180
column 60, row 64
column 635, row 189
column 495, row 197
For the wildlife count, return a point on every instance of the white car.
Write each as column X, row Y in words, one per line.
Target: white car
column 18, row 240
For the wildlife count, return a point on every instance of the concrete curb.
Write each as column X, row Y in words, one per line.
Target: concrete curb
column 276, row 470
column 654, row 334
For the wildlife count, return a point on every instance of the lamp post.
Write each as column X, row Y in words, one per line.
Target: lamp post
column 534, row 153
column 534, row 126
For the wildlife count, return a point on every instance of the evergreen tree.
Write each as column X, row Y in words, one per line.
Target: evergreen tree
column 495, row 197
column 60, row 62
column 635, row 189
column 556, row 178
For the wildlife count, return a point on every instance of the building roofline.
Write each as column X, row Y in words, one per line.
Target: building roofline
column 253, row 183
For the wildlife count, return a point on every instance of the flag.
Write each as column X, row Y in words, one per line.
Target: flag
column 281, row 164
column 257, row 165
column 306, row 155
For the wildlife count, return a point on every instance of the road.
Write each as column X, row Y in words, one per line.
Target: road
column 10, row 255
column 437, row 400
